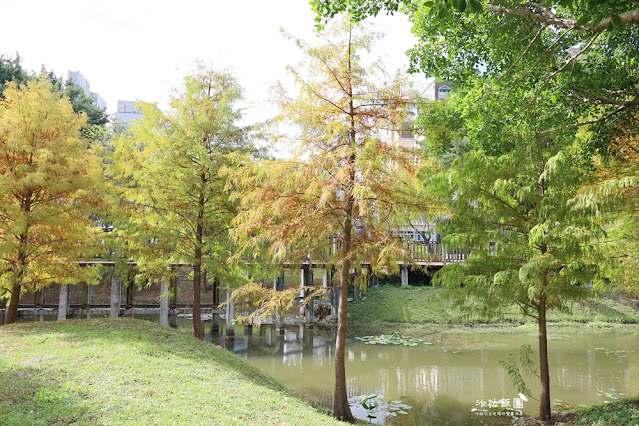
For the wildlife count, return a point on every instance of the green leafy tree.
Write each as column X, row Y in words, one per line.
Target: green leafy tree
column 11, row 70
column 83, row 103
column 614, row 194
column 558, row 54
column 48, row 183
column 167, row 171
column 346, row 184
column 531, row 246
column 557, row 79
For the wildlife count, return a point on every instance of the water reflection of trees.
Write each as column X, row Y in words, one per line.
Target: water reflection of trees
column 438, row 379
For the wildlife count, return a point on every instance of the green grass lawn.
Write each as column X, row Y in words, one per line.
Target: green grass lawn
column 130, row 371
column 405, row 309
column 624, row 412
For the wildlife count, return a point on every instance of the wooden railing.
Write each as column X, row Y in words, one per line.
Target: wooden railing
column 421, row 251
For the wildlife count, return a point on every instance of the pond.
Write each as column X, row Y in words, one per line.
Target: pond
column 454, row 382
column 444, row 383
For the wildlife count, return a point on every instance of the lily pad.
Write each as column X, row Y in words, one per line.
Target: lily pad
column 391, row 339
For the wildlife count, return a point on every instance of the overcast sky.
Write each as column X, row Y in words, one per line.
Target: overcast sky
column 139, row 50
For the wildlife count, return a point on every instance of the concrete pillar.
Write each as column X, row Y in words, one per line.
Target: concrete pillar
column 164, row 302
column 116, row 295
column 84, row 292
column 38, row 299
column 230, row 314
column 309, row 314
column 279, row 325
column 306, row 281
column 404, row 272
column 334, row 295
column 303, row 277
column 63, row 304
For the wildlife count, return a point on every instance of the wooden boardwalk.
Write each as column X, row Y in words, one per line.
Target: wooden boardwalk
column 424, row 255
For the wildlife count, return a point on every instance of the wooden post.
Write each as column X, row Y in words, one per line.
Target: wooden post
column 130, row 290
column 3, row 305
column 63, row 304
column 173, row 302
column 355, row 278
column 130, row 295
column 164, row 302
column 215, row 327
column 278, row 282
column 116, row 294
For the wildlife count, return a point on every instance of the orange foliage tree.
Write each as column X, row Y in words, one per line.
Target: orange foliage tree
column 48, row 179
column 347, row 184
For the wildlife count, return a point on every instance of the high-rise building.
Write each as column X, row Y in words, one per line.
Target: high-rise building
column 82, row 82
column 126, row 113
column 420, row 229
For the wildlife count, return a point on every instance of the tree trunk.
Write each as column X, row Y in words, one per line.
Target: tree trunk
column 341, row 409
column 544, row 397
column 198, row 331
column 12, row 309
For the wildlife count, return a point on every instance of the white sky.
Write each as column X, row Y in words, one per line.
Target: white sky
column 139, row 50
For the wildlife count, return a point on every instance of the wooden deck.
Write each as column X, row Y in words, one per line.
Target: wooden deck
column 430, row 254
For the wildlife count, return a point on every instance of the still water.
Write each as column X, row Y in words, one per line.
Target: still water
column 453, row 381
column 443, row 382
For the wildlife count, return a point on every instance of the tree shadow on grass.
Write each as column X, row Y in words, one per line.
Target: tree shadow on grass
column 30, row 396
column 611, row 314
column 149, row 339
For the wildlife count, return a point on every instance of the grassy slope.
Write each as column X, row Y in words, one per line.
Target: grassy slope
column 133, row 372
column 622, row 412
column 407, row 309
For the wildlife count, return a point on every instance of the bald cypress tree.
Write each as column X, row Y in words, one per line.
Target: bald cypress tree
column 48, row 179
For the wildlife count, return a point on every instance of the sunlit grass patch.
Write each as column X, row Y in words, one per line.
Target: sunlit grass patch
column 133, row 372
